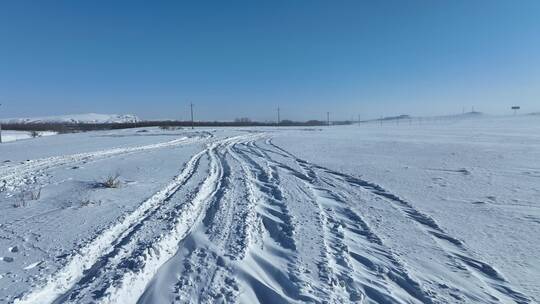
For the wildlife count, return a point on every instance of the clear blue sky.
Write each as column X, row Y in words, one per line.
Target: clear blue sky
column 244, row 58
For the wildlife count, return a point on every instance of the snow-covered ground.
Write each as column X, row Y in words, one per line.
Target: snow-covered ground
column 9, row 135
column 441, row 211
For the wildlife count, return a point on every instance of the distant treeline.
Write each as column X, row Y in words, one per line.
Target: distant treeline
column 63, row 127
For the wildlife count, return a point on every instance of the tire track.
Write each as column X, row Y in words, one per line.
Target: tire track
column 202, row 270
column 495, row 287
column 83, row 260
column 132, row 284
column 263, row 225
column 205, row 269
column 275, row 220
column 29, row 172
column 358, row 260
column 493, row 283
column 345, row 272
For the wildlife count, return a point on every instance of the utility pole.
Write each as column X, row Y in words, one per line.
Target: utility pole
column 358, row 119
column 328, row 118
column 278, row 118
column 192, row 121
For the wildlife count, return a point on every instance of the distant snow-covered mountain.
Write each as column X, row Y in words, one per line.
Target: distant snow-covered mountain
column 77, row 118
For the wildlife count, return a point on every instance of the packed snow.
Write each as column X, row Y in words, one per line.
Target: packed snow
column 77, row 118
column 444, row 210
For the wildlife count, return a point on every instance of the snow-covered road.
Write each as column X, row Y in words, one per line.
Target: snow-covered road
column 228, row 216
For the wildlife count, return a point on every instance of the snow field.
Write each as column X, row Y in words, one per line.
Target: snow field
column 264, row 215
